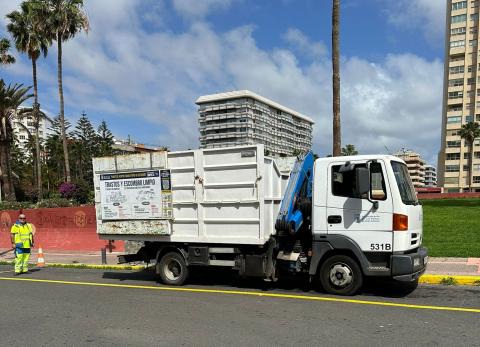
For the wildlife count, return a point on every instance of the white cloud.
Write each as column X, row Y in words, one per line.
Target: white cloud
column 427, row 15
column 199, row 8
column 304, row 45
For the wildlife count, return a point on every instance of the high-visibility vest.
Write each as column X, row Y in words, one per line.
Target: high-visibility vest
column 23, row 234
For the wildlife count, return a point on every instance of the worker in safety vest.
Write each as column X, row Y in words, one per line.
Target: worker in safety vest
column 22, row 240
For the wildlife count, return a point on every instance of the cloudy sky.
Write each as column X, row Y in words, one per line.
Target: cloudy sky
column 144, row 62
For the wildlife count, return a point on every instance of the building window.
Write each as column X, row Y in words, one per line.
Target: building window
column 476, row 167
column 456, row 119
column 469, row 118
column 459, row 5
column 474, row 16
column 453, row 144
column 468, row 105
column 451, row 180
column 458, row 31
column 452, row 132
column 456, row 58
column 22, row 137
column 477, row 118
column 470, row 81
column 455, row 95
column 456, row 69
column 473, row 30
column 452, row 168
column 460, row 18
column 457, row 82
column 476, row 179
column 474, row 3
column 458, row 43
column 472, row 43
column 471, row 68
column 453, row 156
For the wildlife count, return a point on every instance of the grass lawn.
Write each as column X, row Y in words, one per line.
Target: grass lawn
column 452, row 227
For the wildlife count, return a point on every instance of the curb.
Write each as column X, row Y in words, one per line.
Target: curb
column 86, row 266
column 450, row 280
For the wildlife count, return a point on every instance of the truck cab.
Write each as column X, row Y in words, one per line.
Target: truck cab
column 365, row 221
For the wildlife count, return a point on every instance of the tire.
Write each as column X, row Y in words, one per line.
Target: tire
column 172, row 269
column 341, row 275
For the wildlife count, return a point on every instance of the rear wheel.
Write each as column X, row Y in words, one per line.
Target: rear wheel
column 341, row 275
column 172, row 269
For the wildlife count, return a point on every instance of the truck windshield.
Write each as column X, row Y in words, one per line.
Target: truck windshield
column 404, row 183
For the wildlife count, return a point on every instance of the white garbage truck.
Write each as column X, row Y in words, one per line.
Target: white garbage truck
column 333, row 220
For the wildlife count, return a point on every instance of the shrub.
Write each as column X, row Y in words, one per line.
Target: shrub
column 54, row 202
column 67, row 190
column 79, row 191
column 14, row 205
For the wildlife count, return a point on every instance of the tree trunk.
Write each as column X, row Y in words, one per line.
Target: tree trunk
column 8, row 190
column 470, row 172
column 337, row 142
column 36, row 117
column 62, row 112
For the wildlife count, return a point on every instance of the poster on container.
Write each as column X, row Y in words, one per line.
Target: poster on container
column 136, row 195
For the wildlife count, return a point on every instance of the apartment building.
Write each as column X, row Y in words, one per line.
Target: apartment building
column 430, row 179
column 24, row 128
column 461, row 95
column 245, row 118
column 415, row 165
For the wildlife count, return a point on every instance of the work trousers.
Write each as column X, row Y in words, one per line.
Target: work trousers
column 21, row 259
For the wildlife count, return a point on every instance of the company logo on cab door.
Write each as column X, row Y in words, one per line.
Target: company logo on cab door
column 368, row 218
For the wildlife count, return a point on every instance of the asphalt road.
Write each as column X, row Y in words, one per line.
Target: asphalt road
column 90, row 307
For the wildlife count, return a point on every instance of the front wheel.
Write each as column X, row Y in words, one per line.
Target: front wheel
column 172, row 269
column 341, row 275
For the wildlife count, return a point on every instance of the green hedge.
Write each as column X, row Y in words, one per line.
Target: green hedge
column 46, row 203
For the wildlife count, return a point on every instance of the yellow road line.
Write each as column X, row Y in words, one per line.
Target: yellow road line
column 251, row 293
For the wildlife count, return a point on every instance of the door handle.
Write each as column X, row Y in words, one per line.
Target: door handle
column 334, row 219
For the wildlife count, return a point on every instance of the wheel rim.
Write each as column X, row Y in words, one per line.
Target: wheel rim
column 341, row 275
column 172, row 269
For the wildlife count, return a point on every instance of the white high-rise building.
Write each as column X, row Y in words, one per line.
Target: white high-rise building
column 430, row 178
column 245, row 118
column 22, row 133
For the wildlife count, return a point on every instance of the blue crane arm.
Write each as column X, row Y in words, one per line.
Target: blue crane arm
column 298, row 196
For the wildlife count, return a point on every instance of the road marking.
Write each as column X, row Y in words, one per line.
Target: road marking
column 2, row 272
column 251, row 293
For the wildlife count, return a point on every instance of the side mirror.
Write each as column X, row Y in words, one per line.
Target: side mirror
column 362, row 181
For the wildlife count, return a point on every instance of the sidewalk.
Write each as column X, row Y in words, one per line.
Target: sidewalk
column 443, row 267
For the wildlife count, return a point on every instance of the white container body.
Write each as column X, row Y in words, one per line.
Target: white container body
column 223, row 195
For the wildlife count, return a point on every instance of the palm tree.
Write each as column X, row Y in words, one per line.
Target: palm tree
column 5, row 57
column 469, row 132
column 337, row 141
column 11, row 97
column 349, row 150
column 26, row 29
column 64, row 19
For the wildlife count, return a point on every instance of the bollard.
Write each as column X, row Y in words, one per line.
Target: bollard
column 104, row 256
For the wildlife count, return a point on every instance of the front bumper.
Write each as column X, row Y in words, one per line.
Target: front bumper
column 409, row 267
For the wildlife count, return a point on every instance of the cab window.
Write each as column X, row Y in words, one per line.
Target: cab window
column 343, row 183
